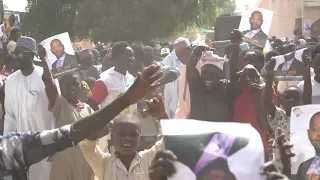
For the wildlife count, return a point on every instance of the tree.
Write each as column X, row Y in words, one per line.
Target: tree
column 230, row 7
column 113, row 20
column 49, row 17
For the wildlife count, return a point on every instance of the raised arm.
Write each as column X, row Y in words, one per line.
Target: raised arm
column 170, row 74
column 236, row 39
column 140, row 88
column 50, row 87
column 192, row 74
column 307, row 87
column 35, row 147
column 267, row 98
column 261, row 112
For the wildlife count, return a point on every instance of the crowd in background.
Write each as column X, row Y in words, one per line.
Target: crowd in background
column 114, row 114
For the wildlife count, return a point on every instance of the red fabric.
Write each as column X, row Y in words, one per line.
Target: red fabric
column 245, row 111
column 99, row 92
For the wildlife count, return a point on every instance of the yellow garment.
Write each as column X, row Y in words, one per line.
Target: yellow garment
column 8, row 29
column 108, row 167
column 69, row 164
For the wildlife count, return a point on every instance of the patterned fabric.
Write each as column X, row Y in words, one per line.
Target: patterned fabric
column 21, row 150
column 85, row 89
column 315, row 166
column 280, row 120
column 28, row 43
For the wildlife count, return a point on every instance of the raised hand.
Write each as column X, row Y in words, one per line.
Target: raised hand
column 146, row 82
column 162, row 166
column 42, row 52
column 155, row 108
column 306, row 58
column 269, row 67
column 271, row 172
column 285, row 151
column 236, row 37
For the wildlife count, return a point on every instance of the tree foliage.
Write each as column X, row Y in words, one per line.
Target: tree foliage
column 112, row 20
column 49, row 17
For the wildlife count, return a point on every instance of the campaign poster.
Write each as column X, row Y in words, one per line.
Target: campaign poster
column 290, row 67
column 207, row 150
column 255, row 26
column 307, row 26
column 60, row 55
column 304, row 135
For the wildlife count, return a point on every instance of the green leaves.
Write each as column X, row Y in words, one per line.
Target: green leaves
column 113, row 20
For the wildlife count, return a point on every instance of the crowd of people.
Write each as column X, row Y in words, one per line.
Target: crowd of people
column 103, row 120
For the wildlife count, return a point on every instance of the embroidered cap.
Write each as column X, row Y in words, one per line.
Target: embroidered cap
column 181, row 43
column 209, row 58
column 28, row 43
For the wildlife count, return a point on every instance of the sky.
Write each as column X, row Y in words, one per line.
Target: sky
column 16, row 5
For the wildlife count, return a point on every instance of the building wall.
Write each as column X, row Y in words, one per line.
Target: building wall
column 285, row 14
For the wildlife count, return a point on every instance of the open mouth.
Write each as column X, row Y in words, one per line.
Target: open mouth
column 126, row 145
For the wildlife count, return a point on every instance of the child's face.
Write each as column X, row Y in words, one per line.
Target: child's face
column 290, row 98
column 126, row 137
column 70, row 88
column 210, row 76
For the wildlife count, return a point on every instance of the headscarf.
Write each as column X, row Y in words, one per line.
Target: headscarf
column 209, row 58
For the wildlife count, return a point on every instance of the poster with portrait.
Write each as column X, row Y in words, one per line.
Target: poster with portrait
column 304, row 135
column 255, row 26
column 60, row 55
column 290, row 67
column 206, row 150
column 307, row 26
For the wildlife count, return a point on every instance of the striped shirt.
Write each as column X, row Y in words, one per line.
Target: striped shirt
column 21, row 150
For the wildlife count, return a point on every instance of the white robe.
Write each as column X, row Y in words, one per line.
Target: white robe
column 171, row 89
column 26, row 108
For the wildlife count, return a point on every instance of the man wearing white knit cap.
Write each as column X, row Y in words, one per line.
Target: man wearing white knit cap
column 26, row 102
column 211, row 96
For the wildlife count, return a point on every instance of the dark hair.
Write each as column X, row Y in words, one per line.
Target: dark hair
column 217, row 164
column 258, row 48
column 258, row 54
column 243, row 53
column 13, row 32
column 90, row 81
column 56, row 40
column 271, row 54
column 8, row 58
column 118, row 49
column 63, row 78
column 228, row 50
column 313, row 118
column 295, row 88
column 280, row 49
column 315, row 51
column 257, row 12
column 314, row 39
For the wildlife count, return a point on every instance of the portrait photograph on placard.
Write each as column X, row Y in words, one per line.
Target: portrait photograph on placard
column 60, row 55
column 255, row 26
column 304, row 135
column 220, row 153
column 290, row 67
